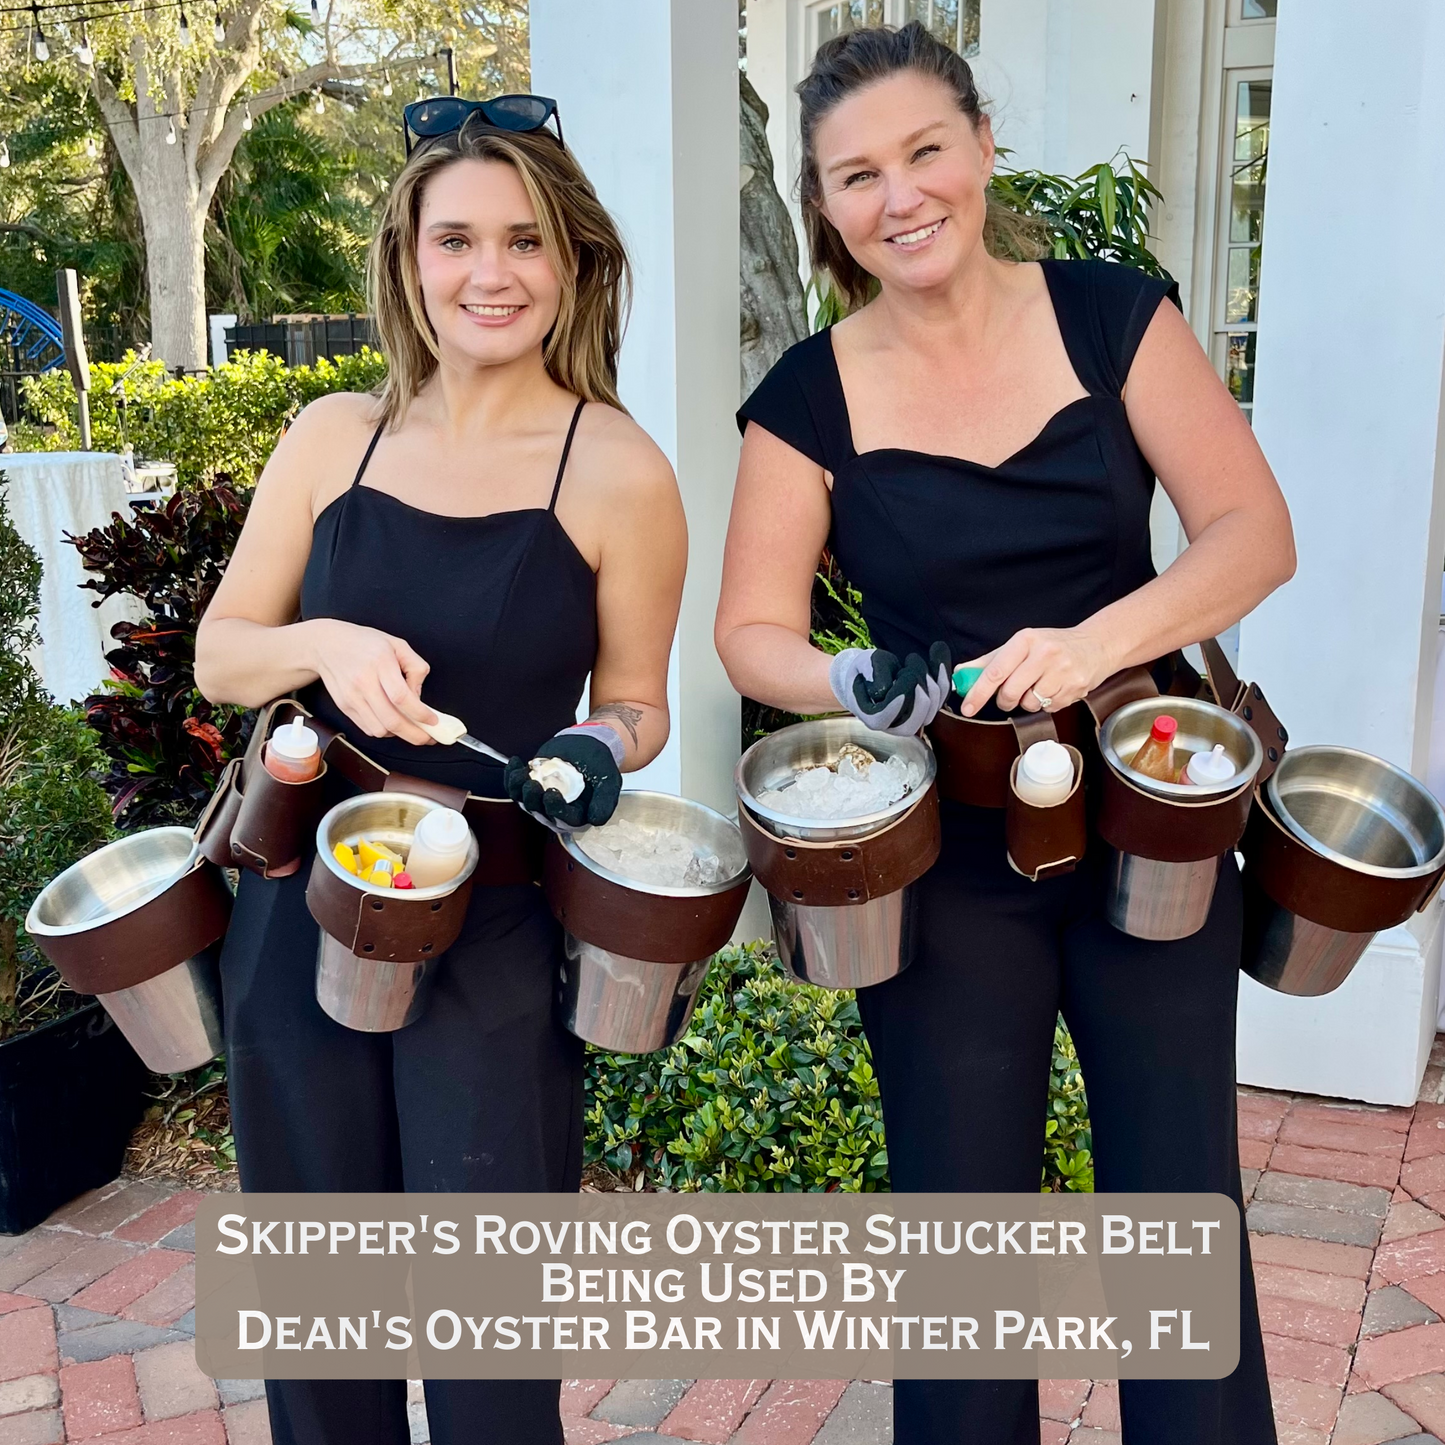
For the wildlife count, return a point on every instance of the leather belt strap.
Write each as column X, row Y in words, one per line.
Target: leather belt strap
column 976, row 755
column 389, row 927
column 510, row 842
column 846, row 871
column 669, row 929
column 1044, row 842
column 186, row 919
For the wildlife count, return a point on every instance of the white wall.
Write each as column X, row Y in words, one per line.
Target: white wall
column 1348, row 410
column 1070, row 81
column 648, row 89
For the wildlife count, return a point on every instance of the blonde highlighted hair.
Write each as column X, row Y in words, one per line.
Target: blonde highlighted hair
column 578, row 235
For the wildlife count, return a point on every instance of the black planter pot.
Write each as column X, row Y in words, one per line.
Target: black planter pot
column 70, row 1093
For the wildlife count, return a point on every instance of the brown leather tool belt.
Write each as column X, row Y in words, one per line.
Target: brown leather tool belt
column 184, row 920
column 663, row 929
column 259, row 822
column 978, row 765
column 846, row 871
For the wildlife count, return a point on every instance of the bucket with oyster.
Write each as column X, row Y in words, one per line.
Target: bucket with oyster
column 645, row 901
column 840, row 822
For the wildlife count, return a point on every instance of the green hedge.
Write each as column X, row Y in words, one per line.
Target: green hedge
column 222, row 422
column 772, row 1088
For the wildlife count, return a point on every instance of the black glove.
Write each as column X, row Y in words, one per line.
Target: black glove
column 895, row 697
column 587, row 750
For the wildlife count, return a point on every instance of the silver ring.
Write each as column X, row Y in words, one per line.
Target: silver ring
column 1044, row 702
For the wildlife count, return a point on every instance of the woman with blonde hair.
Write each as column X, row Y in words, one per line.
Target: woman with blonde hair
column 490, row 530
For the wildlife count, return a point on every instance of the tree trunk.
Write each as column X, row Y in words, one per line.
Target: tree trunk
column 773, row 312
column 173, row 214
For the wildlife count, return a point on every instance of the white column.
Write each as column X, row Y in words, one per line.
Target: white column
column 1348, row 410
column 648, row 93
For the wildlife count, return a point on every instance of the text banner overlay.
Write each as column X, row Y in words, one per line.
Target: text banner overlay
column 717, row 1286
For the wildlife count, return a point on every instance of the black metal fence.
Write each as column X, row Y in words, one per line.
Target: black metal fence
column 299, row 341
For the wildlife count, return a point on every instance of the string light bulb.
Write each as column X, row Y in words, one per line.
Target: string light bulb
column 315, row 12
column 90, row 147
column 320, row 103
column 83, row 53
column 220, row 30
column 171, row 134
column 185, row 30
column 4, row 156
column 42, row 50
column 246, row 121
column 386, row 86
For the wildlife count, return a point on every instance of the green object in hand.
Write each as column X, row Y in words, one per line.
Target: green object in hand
column 964, row 678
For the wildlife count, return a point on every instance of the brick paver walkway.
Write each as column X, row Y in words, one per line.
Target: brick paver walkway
column 1346, row 1209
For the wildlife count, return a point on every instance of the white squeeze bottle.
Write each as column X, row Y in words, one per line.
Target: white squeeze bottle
column 1209, row 770
column 1046, row 774
column 438, row 848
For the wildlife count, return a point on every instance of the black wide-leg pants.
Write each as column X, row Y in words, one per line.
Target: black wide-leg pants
column 962, row 1043
column 483, row 1092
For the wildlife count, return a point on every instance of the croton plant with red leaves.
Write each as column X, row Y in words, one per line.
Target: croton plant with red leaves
column 166, row 743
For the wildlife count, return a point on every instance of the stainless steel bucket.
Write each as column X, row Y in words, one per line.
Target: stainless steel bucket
column 1168, row 899
column 173, row 1020
column 376, row 995
column 633, row 1005
column 1360, row 814
column 860, row 944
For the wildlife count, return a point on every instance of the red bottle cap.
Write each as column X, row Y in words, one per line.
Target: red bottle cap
column 402, row 880
column 1164, row 728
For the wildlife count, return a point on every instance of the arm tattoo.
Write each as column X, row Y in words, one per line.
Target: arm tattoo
column 624, row 713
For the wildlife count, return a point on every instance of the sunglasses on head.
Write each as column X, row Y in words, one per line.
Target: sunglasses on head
column 445, row 115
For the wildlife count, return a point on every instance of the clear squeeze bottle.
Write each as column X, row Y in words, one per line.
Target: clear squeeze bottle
column 1045, row 775
column 438, row 848
column 293, row 753
column 1156, row 758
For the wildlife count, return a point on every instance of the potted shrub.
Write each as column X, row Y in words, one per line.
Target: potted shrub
column 70, row 1085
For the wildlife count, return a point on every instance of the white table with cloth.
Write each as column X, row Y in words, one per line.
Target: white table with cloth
column 49, row 494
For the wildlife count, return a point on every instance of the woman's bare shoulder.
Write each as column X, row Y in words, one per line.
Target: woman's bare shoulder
column 323, row 446
column 617, row 458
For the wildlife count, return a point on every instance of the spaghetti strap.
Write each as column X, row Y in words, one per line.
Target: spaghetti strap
column 566, row 448
column 375, row 437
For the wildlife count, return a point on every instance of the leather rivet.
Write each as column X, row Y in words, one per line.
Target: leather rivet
column 852, row 893
column 1273, row 755
column 571, row 866
column 437, row 906
column 790, row 852
column 426, row 948
column 1283, row 735
column 377, row 904
column 797, row 893
column 847, row 855
column 1248, row 714
column 1255, row 690
column 368, row 948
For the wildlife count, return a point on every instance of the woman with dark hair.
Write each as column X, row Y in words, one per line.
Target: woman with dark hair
column 495, row 527
column 978, row 442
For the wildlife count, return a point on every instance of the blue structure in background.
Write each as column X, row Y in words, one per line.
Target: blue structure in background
column 30, row 335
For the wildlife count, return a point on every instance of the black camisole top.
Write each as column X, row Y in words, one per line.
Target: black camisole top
column 949, row 550
column 503, row 607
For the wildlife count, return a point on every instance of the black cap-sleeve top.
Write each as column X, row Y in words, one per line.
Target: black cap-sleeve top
column 943, row 548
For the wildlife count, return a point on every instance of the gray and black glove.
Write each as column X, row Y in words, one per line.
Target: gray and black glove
column 596, row 752
column 900, row 698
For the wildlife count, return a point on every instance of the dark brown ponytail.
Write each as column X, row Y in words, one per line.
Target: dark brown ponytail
column 846, row 64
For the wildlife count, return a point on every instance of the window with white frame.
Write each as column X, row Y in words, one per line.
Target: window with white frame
column 955, row 22
column 1243, row 174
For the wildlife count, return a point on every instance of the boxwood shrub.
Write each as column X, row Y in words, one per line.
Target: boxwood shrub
column 772, row 1088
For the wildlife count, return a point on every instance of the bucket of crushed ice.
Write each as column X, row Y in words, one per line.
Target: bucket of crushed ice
column 644, row 901
column 839, row 821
